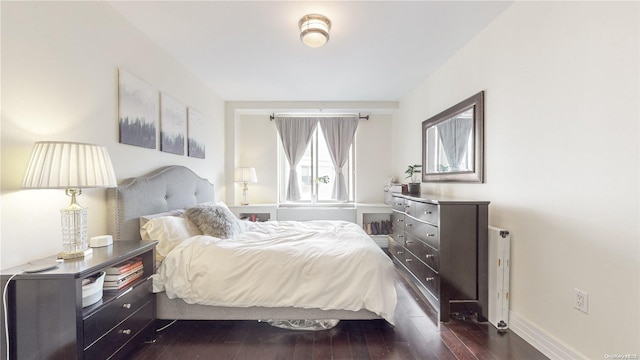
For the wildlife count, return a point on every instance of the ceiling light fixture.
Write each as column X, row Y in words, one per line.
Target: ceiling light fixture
column 314, row 29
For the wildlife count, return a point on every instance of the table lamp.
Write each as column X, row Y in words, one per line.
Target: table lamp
column 245, row 175
column 70, row 166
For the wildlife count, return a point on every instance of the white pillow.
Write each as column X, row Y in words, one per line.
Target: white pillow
column 169, row 231
column 145, row 219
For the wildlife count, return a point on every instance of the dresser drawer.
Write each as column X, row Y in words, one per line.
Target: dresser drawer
column 396, row 250
column 424, row 252
column 398, row 204
column 423, row 231
column 121, row 334
column 397, row 220
column 424, row 274
column 98, row 323
column 423, row 211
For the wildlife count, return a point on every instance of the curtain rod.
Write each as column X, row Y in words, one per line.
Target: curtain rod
column 359, row 116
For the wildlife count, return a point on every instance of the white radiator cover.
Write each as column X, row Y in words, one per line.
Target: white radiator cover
column 499, row 266
column 296, row 213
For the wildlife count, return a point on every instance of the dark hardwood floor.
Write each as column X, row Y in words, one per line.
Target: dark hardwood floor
column 415, row 336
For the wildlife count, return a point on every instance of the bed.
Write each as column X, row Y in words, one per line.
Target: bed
column 175, row 188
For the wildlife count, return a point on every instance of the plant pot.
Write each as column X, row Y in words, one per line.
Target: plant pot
column 413, row 188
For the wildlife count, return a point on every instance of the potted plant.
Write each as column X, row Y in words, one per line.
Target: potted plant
column 412, row 170
column 323, row 179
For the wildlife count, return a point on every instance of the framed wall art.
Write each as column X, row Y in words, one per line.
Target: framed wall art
column 138, row 111
column 195, row 133
column 173, row 122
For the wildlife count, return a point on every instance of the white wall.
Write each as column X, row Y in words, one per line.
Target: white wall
column 562, row 162
column 256, row 146
column 373, row 158
column 59, row 82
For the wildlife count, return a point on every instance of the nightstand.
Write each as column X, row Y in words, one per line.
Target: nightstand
column 257, row 212
column 46, row 318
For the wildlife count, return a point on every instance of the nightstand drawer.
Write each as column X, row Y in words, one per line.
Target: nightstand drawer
column 121, row 334
column 100, row 322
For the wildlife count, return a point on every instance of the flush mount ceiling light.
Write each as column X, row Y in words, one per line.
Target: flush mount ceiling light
column 314, row 29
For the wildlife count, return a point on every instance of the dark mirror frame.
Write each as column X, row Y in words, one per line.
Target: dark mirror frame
column 477, row 175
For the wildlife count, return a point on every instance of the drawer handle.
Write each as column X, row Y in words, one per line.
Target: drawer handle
column 400, row 220
column 408, row 260
column 400, row 236
column 429, row 256
column 125, row 331
column 429, row 279
column 399, row 204
column 431, row 234
column 409, row 241
column 409, row 224
column 427, row 212
column 399, row 252
column 126, row 306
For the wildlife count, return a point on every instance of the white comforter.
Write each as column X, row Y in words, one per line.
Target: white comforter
column 314, row 264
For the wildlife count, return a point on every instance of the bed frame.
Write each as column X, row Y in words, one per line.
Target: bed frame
column 177, row 187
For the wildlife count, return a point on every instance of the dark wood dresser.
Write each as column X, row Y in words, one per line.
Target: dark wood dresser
column 441, row 246
column 46, row 318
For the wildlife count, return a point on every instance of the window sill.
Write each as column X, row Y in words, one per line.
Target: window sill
column 317, row 205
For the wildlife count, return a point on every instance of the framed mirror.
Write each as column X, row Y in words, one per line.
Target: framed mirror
column 453, row 145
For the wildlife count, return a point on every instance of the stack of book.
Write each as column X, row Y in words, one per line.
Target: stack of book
column 120, row 276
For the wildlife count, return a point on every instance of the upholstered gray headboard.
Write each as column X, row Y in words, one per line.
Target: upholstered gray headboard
column 168, row 188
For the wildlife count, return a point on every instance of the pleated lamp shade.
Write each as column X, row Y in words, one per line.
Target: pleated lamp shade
column 69, row 165
column 246, row 175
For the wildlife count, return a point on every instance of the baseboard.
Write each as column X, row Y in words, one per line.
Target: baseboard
column 539, row 339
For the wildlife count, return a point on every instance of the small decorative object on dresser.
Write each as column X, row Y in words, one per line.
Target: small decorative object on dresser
column 441, row 247
column 61, row 314
column 412, row 171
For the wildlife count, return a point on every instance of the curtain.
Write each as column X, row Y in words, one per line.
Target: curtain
column 295, row 134
column 339, row 133
column 454, row 135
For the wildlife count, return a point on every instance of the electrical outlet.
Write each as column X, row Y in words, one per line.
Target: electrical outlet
column 581, row 300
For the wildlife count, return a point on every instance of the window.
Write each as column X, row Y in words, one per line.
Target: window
column 315, row 166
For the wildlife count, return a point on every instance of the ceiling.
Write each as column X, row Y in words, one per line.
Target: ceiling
column 251, row 50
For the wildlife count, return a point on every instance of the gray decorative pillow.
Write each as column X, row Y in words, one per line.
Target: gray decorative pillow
column 214, row 220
